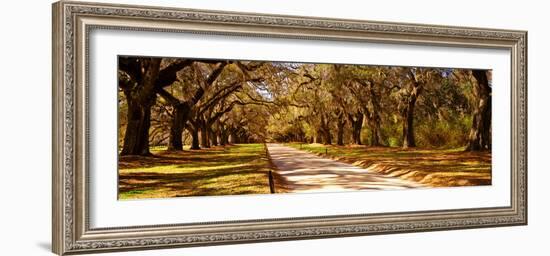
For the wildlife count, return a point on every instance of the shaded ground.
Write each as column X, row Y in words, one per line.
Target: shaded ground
column 437, row 168
column 306, row 172
column 238, row 169
column 243, row 169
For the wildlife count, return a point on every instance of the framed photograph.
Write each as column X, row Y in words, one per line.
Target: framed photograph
column 178, row 127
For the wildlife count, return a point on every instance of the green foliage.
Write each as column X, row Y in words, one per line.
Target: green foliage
column 275, row 101
column 258, row 101
column 393, row 142
column 392, row 132
column 451, row 133
column 441, row 117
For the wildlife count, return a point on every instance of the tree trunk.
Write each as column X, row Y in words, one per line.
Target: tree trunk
column 340, row 133
column 340, row 137
column 182, row 109
column 239, row 137
column 223, row 136
column 408, row 124
column 374, row 117
column 140, row 101
column 480, row 133
column 234, row 137
column 204, row 137
column 327, row 139
column 136, row 138
column 325, row 129
column 356, row 126
column 318, row 137
column 181, row 114
column 376, row 135
column 373, row 122
column 194, row 138
column 213, row 137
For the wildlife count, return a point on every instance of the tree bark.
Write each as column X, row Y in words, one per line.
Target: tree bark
column 223, row 135
column 407, row 113
column 373, row 117
column 356, row 126
column 213, row 137
column 325, row 129
column 373, row 123
column 234, row 137
column 340, row 133
column 181, row 115
column 182, row 108
column 140, row 101
column 480, row 132
column 327, row 138
column 376, row 136
column 204, row 136
column 194, row 138
column 225, row 138
column 318, row 137
column 408, row 121
column 136, row 138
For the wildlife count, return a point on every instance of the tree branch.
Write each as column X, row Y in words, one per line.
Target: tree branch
column 168, row 75
column 168, row 97
column 219, row 96
column 215, row 73
column 131, row 66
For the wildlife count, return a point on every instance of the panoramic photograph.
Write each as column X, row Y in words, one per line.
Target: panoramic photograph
column 217, row 127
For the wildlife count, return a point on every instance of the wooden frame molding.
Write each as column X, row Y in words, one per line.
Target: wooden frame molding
column 72, row 23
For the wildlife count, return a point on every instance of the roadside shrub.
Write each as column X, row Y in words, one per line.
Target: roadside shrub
column 443, row 133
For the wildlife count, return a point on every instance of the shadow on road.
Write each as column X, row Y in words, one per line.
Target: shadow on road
column 306, row 172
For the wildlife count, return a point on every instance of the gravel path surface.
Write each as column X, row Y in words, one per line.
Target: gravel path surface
column 306, row 172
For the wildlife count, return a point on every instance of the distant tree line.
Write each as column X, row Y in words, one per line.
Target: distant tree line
column 387, row 106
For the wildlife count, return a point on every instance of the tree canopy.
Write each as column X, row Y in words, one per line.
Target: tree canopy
column 202, row 103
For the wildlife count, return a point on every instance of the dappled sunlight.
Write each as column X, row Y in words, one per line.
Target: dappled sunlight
column 238, row 169
column 305, row 172
column 431, row 167
column 418, row 121
column 183, row 168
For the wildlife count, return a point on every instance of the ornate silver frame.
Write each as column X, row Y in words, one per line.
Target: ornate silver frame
column 72, row 21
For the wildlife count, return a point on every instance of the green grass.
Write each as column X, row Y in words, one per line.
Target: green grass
column 432, row 167
column 233, row 170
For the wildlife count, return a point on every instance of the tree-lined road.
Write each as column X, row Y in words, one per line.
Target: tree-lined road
column 306, row 172
column 426, row 124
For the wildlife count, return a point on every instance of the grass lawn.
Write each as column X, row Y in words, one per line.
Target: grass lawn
column 233, row 170
column 432, row 167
